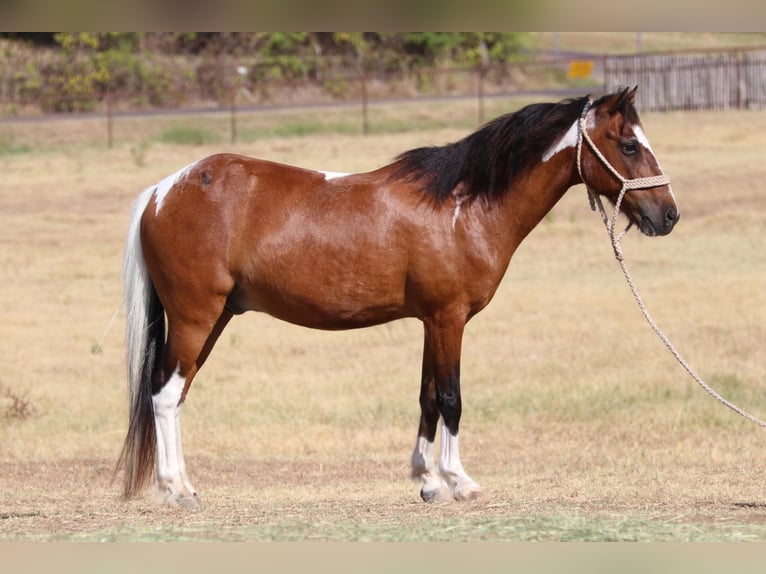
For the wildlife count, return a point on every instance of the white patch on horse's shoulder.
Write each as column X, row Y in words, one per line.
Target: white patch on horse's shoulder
column 333, row 174
column 458, row 204
column 569, row 139
column 163, row 187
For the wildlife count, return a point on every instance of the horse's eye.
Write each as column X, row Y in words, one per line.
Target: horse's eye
column 629, row 147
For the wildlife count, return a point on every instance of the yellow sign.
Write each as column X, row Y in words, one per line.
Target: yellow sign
column 580, row 69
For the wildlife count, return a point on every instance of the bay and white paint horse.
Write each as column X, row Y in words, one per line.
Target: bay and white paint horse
column 428, row 236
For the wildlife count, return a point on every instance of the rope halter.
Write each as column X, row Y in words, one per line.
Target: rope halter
column 594, row 198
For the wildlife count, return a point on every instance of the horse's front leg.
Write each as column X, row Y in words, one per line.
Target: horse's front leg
column 433, row 487
column 462, row 486
column 440, row 398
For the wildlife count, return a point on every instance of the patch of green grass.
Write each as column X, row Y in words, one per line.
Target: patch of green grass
column 138, row 152
column 308, row 127
column 184, row 135
column 297, row 127
column 392, row 125
column 9, row 146
column 561, row 528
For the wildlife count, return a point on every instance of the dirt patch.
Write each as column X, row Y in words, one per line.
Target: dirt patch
column 293, row 500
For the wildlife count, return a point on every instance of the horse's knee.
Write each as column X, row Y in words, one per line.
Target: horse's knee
column 450, row 406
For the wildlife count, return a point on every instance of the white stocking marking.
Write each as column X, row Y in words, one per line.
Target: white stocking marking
column 179, row 449
column 171, row 469
column 424, row 468
column 451, row 469
column 422, row 457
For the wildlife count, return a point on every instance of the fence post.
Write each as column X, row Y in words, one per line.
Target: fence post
column 233, row 96
column 109, row 120
column 738, row 57
column 481, row 72
column 365, row 119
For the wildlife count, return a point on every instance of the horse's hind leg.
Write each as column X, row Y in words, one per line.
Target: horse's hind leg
column 167, row 425
column 188, row 345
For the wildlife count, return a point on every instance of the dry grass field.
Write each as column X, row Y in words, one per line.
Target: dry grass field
column 577, row 422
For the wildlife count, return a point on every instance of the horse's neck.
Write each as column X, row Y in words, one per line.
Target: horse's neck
column 530, row 199
column 494, row 228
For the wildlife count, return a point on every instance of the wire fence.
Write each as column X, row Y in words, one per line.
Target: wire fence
column 724, row 79
column 360, row 95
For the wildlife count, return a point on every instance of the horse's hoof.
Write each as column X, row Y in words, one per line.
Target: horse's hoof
column 468, row 492
column 436, row 495
column 186, row 501
column 189, row 501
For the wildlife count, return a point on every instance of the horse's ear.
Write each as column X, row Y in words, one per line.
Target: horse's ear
column 616, row 102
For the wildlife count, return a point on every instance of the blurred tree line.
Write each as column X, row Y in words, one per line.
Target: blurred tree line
column 73, row 71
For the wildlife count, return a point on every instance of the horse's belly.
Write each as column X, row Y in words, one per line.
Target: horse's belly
column 321, row 305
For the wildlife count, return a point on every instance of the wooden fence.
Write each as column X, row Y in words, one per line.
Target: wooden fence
column 734, row 79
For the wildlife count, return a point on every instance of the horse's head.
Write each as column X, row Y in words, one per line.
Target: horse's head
column 615, row 153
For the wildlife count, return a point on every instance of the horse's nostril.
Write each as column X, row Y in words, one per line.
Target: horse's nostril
column 671, row 215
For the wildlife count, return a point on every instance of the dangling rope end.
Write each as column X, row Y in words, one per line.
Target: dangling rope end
column 591, row 198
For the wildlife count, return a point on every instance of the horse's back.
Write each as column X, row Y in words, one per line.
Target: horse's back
column 322, row 251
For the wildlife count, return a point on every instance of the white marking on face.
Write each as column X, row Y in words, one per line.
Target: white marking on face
column 644, row 141
column 163, row 187
column 333, row 174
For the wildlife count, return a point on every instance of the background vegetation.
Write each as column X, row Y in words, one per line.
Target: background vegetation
column 76, row 72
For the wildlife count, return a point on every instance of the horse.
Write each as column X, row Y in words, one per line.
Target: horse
column 428, row 236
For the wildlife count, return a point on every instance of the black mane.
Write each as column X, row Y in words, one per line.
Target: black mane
column 487, row 161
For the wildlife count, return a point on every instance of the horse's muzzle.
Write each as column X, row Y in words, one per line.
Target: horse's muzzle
column 662, row 225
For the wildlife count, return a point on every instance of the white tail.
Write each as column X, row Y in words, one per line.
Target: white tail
column 138, row 288
column 144, row 339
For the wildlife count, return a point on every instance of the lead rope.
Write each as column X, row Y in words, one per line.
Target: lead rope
column 596, row 203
